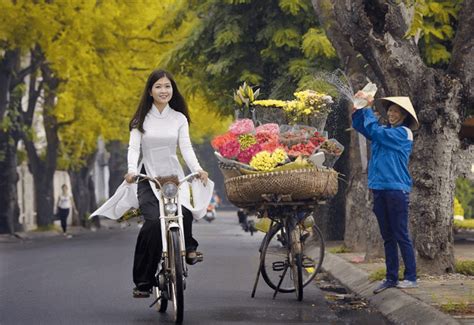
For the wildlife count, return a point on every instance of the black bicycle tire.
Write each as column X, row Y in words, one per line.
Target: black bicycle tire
column 177, row 277
column 266, row 240
column 268, row 237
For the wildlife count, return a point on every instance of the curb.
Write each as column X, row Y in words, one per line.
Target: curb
column 397, row 306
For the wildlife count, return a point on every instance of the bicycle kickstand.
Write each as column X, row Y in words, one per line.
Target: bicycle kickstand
column 282, row 276
column 258, row 275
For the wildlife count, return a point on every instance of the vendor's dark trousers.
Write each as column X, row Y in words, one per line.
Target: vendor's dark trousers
column 391, row 209
column 63, row 214
column 149, row 245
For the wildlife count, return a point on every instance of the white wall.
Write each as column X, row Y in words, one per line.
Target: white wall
column 26, row 197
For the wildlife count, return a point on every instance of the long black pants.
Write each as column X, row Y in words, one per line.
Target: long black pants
column 63, row 214
column 149, row 246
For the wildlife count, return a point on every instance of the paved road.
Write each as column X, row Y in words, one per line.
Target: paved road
column 87, row 280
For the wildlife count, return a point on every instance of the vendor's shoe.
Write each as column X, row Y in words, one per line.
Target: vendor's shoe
column 193, row 257
column 406, row 284
column 137, row 293
column 385, row 284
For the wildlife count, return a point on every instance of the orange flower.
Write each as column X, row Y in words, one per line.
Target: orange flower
column 222, row 139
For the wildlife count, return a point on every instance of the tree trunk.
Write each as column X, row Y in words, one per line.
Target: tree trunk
column 43, row 168
column 8, row 141
column 9, row 222
column 361, row 229
column 84, row 193
column 376, row 30
column 117, row 164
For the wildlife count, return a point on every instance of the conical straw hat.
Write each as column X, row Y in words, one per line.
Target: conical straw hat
column 405, row 103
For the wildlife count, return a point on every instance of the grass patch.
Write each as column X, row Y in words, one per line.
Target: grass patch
column 51, row 227
column 339, row 250
column 379, row 274
column 455, row 307
column 465, row 267
column 464, row 224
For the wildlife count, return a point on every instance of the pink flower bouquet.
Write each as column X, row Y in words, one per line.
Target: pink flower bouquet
column 242, row 126
column 271, row 128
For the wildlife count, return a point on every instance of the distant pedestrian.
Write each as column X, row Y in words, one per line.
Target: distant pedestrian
column 64, row 204
column 390, row 181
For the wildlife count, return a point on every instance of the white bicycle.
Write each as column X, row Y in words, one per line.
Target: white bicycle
column 171, row 279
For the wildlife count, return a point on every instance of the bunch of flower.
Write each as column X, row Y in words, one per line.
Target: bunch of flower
column 271, row 146
column 246, row 141
column 265, row 137
column 242, row 126
column 301, row 149
column 244, row 96
column 279, row 155
column 266, row 161
column 222, row 139
column 271, row 128
column 317, row 139
column 230, row 149
column 331, row 148
column 263, row 161
column 293, row 137
column 246, row 155
column 307, row 103
column 270, row 103
column 314, row 102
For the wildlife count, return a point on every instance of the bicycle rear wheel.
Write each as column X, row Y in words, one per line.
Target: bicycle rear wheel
column 275, row 250
column 177, row 277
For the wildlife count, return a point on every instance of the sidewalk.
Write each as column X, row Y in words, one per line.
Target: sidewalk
column 105, row 224
column 446, row 299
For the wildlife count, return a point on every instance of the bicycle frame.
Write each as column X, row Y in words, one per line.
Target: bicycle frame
column 170, row 221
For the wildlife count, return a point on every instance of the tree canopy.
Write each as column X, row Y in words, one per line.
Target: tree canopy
column 277, row 45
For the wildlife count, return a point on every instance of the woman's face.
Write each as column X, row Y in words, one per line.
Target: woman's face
column 396, row 115
column 162, row 91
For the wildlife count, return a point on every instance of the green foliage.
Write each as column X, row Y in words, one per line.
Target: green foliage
column 339, row 250
column 458, row 210
column 433, row 22
column 464, row 224
column 465, row 267
column 454, row 307
column 272, row 44
column 465, row 194
column 379, row 274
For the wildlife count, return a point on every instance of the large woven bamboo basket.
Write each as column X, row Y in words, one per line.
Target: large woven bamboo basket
column 301, row 184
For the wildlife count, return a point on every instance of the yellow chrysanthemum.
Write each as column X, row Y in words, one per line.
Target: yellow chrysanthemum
column 246, row 141
column 263, row 161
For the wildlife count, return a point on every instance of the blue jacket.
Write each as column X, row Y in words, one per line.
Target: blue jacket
column 391, row 148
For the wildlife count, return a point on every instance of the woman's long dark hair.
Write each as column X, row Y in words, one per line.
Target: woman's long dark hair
column 177, row 101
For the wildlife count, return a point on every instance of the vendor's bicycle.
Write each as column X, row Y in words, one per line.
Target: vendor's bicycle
column 171, row 279
column 292, row 251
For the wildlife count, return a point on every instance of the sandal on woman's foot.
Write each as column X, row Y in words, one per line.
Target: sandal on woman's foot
column 141, row 293
column 193, row 257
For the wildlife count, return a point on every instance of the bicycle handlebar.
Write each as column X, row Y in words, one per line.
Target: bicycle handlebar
column 154, row 180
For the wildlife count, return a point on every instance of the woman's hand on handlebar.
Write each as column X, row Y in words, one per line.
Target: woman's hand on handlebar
column 203, row 176
column 130, row 177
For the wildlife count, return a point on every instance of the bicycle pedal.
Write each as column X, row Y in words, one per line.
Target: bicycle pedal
column 278, row 266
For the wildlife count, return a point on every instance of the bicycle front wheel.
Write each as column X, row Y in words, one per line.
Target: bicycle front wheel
column 177, row 277
column 276, row 258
